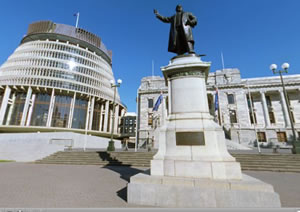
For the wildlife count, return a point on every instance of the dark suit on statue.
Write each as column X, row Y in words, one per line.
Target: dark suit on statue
column 181, row 37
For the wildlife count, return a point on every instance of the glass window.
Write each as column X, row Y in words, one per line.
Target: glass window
column 281, row 136
column 150, row 103
column 248, row 101
column 272, row 117
column 150, row 119
column 230, row 98
column 293, row 117
column 1, row 98
column 233, row 118
column 40, row 110
column 17, row 109
column 261, row 136
column 96, row 116
column 61, row 111
column 268, row 100
column 79, row 115
column 251, row 118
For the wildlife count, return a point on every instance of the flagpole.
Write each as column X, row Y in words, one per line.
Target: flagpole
column 152, row 69
column 77, row 19
column 253, row 118
column 222, row 61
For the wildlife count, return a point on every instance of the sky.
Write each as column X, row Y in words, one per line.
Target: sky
column 251, row 34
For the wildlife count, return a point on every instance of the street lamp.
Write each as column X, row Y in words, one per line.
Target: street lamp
column 111, row 145
column 285, row 67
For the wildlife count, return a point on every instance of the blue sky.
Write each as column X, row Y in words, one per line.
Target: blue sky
column 252, row 34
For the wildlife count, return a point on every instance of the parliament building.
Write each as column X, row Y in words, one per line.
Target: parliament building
column 263, row 117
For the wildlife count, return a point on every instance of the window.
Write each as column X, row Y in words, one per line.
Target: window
column 232, row 114
column 230, row 98
column 261, row 136
column 150, row 119
column 150, row 103
column 293, row 117
column 248, row 101
column 272, row 117
column 251, row 118
column 281, row 136
column 268, row 100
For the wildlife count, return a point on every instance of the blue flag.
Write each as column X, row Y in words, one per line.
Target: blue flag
column 216, row 100
column 158, row 102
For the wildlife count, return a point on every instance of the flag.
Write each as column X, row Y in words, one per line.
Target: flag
column 217, row 106
column 158, row 102
column 216, row 100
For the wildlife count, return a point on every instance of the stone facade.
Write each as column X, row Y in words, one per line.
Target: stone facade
column 270, row 114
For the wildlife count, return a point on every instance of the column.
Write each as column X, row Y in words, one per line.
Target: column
column 170, row 97
column 51, row 107
column 30, row 109
column 265, row 109
column 106, row 116
column 12, row 102
column 101, row 116
column 4, row 103
column 72, row 105
column 91, row 113
column 26, row 106
column 285, row 109
column 87, row 115
column 116, row 119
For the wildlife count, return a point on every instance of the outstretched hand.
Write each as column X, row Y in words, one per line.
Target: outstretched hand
column 155, row 11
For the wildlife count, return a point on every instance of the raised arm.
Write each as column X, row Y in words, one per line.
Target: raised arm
column 162, row 18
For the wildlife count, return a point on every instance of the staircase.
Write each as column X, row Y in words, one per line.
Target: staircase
column 137, row 159
column 253, row 162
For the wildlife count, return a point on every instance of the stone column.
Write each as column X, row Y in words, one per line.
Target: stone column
column 106, row 116
column 26, row 106
column 116, row 119
column 101, row 116
column 72, row 105
column 12, row 102
column 91, row 111
column 51, row 107
column 4, row 103
column 285, row 109
column 30, row 109
column 265, row 109
column 87, row 115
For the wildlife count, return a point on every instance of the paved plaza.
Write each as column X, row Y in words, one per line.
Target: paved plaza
column 27, row 185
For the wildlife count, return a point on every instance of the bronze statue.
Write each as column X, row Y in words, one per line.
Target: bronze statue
column 181, row 37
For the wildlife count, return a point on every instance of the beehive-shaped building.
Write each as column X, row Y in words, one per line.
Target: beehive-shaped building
column 58, row 79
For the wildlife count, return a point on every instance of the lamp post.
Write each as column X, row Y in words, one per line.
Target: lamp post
column 111, row 145
column 285, row 67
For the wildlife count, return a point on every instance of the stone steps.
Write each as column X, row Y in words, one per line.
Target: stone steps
column 255, row 162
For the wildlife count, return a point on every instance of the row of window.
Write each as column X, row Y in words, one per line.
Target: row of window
column 281, row 136
column 56, row 84
column 62, row 47
column 60, row 115
column 54, row 73
column 58, row 55
column 55, row 64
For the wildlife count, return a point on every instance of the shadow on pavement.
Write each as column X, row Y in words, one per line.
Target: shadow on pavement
column 125, row 171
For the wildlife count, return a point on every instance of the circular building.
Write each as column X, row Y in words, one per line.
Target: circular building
column 58, row 79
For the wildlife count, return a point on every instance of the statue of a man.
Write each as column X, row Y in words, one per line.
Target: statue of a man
column 181, row 37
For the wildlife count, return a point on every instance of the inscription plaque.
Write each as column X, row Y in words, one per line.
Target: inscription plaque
column 190, row 139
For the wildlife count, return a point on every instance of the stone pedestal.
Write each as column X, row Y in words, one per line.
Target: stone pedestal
column 192, row 167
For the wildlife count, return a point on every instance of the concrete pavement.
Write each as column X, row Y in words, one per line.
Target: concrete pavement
column 24, row 185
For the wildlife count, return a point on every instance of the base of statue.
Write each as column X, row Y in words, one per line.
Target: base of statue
column 192, row 167
column 166, row 191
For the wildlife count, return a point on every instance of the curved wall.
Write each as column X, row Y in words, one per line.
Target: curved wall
column 58, row 78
